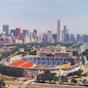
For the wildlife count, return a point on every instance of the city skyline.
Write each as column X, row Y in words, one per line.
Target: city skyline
column 43, row 14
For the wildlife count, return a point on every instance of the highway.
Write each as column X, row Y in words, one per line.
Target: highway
column 52, row 86
column 38, row 85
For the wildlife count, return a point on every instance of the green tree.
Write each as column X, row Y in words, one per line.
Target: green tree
column 47, row 76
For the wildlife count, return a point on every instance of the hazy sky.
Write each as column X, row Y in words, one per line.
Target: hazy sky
column 43, row 14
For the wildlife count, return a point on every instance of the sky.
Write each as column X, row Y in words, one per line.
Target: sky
column 43, row 14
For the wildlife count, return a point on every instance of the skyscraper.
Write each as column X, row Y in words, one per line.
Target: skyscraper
column 72, row 37
column 49, row 36
column 84, row 38
column 65, row 29
column 65, row 34
column 40, row 38
column 25, row 33
column 6, row 30
column 18, row 36
column 13, row 32
column 35, row 36
column 18, row 32
column 58, row 30
column 54, row 38
column 26, row 38
column 44, row 40
column 78, row 37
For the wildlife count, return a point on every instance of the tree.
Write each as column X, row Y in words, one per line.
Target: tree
column 2, row 83
column 47, row 76
column 33, row 52
column 85, row 53
column 73, row 80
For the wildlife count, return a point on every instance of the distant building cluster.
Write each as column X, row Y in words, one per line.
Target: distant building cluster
column 19, row 36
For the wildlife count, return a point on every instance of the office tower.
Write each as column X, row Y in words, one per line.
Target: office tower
column 54, row 38
column 13, row 32
column 58, row 30
column 31, row 39
column 65, row 34
column 6, row 30
column 72, row 37
column 49, row 36
column 62, row 35
column 44, row 40
column 18, row 36
column 26, row 38
column 35, row 35
column 84, row 38
column 78, row 38
column 1, row 39
column 18, row 32
column 40, row 38
column 65, row 29
column 25, row 33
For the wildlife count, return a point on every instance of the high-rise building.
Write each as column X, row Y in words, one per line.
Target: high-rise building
column 40, row 38
column 49, row 36
column 58, row 30
column 18, row 33
column 78, row 38
column 31, row 39
column 25, row 33
column 65, row 34
column 72, row 37
column 13, row 32
column 44, row 40
column 84, row 38
column 54, row 38
column 18, row 36
column 6, row 30
column 65, row 29
column 26, row 38
column 35, row 35
column 1, row 39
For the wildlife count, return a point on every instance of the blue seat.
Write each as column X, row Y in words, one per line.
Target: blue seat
column 53, row 63
column 39, row 62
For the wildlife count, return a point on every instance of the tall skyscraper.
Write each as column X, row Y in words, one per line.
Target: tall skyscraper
column 54, row 38
column 35, row 36
column 65, row 29
column 31, row 39
column 78, row 37
column 84, row 38
column 1, row 39
column 65, row 34
column 13, row 32
column 18, row 32
column 18, row 36
column 49, row 36
column 72, row 37
column 26, row 37
column 6, row 30
column 58, row 30
column 25, row 33
column 44, row 40
column 40, row 38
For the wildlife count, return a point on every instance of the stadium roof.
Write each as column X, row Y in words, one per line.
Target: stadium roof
column 22, row 64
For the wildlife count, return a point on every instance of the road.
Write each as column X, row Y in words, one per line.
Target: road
column 39, row 85
column 52, row 86
column 11, row 84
